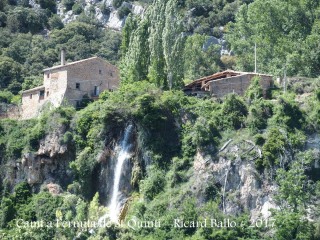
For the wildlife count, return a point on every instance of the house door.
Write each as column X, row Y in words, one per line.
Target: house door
column 96, row 91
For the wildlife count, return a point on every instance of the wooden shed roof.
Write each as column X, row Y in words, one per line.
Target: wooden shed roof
column 219, row 75
column 214, row 76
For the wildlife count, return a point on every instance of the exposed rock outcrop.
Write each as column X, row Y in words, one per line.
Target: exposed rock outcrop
column 50, row 164
column 108, row 18
column 241, row 185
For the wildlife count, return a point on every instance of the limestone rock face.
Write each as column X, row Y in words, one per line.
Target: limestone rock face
column 109, row 19
column 243, row 188
column 68, row 16
column 51, row 146
column 50, row 164
column 114, row 21
column 219, row 42
column 54, row 189
column 137, row 9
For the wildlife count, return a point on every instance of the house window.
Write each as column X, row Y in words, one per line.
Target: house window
column 47, row 93
column 48, row 75
column 100, row 72
column 96, row 91
column 30, row 96
column 78, row 86
column 41, row 95
column 111, row 74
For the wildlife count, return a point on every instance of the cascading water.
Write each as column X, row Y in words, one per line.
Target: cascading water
column 123, row 155
column 114, row 206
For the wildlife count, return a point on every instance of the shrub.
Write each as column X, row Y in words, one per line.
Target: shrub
column 154, row 183
column 83, row 167
column 314, row 111
column 254, row 90
column 5, row 96
column 36, row 134
column 259, row 113
column 45, row 206
column 123, row 11
column 287, row 113
column 274, row 146
column 189, row 214
column 292, row 225
column 10, row 71
column 200, row 135
column 7, row 211
column 317, row 93
column 16, row 99
column 67, row 137
column 117, row 3
column 188, row 147
column 48, row 4
column 77, row 9
column 259, row 139
column 23, row 3
column 104, row 9
column 68, row 4
column 22, row 193
column 3, row 19
column 84, row 101
column 228, row 61
column 14, row 87
column 233, row 112
column 55, row 23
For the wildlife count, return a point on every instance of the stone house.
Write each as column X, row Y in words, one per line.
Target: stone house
column 70, row 83
column 223, row 83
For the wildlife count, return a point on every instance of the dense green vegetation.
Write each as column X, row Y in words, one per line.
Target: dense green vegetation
column 286, row 34
column 157, row 54
column 163, row 188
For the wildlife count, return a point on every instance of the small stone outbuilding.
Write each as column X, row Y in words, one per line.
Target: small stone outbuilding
column 223, row 83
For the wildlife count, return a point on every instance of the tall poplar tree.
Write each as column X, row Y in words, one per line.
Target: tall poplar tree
column 173, row 45
column 157, row 68
column 134, row 66
column 127, row 31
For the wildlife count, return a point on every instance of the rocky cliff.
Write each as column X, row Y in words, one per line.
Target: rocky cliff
column 110, row 18
column 49, row 164
column 243, row 187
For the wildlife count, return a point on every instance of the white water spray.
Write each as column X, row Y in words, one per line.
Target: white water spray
column 115, row 204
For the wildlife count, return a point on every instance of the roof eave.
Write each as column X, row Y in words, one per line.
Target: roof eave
column 72, row 63
column 33, row 89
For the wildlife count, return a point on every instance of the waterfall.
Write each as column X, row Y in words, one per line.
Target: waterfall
column 123, row 155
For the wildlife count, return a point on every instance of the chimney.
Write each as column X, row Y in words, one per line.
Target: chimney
column 63, row 56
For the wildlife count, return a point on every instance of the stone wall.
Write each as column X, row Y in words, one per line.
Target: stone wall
column 54, row 87
column 31, row 102
column 90, row 74
column 237, row 84
column 55, row 83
